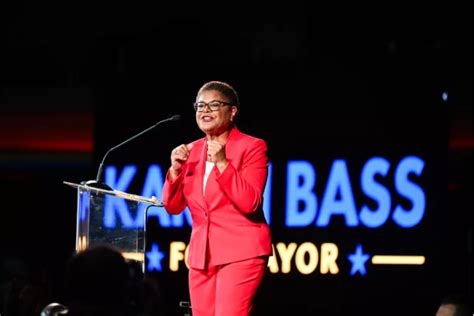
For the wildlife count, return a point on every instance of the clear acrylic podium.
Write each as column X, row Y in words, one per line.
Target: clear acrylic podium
column 92, row 227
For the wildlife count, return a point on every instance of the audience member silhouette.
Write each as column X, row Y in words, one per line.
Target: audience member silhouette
column 453, row 306
column 97, row 283
column 23, row 291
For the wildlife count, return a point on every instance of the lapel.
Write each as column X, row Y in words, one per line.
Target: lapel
column 196, row 170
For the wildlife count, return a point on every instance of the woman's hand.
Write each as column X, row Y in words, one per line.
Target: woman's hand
column 216, row 154
column 179, row 155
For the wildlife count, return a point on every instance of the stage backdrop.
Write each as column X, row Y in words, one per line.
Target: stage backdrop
column 355, row 198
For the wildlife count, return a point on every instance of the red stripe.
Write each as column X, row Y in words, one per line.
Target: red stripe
column 58, row 131
column 460, row 143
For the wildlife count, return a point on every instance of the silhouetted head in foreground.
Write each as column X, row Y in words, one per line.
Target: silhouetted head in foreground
column 453, row 306
column 97, row 282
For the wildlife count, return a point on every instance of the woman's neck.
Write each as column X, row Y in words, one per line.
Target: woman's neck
column 222, row 137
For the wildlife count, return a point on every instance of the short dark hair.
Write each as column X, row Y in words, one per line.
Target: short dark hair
column 226, row 89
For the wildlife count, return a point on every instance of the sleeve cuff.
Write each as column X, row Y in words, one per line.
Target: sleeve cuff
column 226, row 175
column 172, row 181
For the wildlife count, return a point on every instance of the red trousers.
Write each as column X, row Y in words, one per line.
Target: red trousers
column 227, row 289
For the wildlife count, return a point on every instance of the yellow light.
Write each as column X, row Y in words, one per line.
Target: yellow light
column 272, row 262
column 177, row 251
column 186, row 253
column 286, row 253
column 415, row 260
column 81, row 243
column 329, row 253
column 312, row 251
column 137, row 256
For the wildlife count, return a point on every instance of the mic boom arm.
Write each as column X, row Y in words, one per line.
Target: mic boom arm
column 99, row 172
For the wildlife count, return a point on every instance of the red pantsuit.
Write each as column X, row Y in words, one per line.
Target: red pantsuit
column 226, row 289
column 230, row 240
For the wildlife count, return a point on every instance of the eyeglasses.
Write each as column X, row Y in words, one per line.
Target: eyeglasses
column 213, row 105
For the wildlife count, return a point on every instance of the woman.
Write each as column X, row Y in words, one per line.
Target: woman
column 221, row 178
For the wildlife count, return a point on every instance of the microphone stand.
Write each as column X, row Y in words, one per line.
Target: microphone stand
column 96, row 183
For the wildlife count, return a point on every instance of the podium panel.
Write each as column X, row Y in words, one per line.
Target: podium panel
column 93, row 226
column 97, row 221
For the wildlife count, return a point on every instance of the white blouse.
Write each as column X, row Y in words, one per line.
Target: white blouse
column 209, row 166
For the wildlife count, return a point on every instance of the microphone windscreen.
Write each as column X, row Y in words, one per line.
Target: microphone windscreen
column 175, row 117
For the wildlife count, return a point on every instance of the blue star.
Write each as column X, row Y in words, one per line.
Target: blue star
column 358, row 260
column 154, row 257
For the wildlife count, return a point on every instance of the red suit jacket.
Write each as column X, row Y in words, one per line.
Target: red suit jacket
column 228, row 220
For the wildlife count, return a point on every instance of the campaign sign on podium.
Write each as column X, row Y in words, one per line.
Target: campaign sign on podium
column 92, row 227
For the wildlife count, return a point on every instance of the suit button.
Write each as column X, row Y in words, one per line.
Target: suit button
column 205, row 214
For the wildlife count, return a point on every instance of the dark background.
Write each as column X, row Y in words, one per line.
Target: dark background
column 79, row 78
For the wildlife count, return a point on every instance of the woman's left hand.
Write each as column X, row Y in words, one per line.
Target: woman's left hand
column 216, row 154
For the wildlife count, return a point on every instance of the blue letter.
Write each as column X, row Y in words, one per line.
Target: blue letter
column 267, row 196
column 178, row 220
column 301, row 178
column 338, row 181
column 409, row 218
column 376, row 191
column 152, row 187
column 112, row 203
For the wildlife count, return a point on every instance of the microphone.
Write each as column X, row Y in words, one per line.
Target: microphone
column 96, row 183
